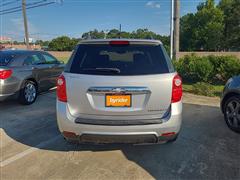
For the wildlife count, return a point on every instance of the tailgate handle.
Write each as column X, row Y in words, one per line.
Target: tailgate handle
column 119, row 90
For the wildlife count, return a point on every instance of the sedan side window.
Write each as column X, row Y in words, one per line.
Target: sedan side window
column 32, row 59
column 49, row 59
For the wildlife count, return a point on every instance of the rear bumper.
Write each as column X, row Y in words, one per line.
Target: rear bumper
column 137, row 133
column 5, row 96
column 8, row 88
column 131, row 139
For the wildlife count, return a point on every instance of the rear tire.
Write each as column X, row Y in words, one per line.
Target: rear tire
column 71, row 141
column 232, row 113
column 173, row 140
column 28, row 94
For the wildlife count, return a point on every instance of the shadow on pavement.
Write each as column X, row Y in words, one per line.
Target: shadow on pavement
column 206, row 148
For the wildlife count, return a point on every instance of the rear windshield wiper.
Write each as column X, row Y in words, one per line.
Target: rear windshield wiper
column 113, row 70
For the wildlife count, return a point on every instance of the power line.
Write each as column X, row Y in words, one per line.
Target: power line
column 18, row 7
column 28, row 7
column 23, row 9
column 8, row 3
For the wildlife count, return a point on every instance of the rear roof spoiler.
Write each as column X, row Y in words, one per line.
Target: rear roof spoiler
column 131, row 41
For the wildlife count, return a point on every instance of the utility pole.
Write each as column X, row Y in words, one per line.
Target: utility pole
column 120, row 30
column 105, row 33
column 25, row 23
column 176, row 33
column 171, row 29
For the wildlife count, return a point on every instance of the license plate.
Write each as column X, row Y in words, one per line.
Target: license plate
column 118, row 100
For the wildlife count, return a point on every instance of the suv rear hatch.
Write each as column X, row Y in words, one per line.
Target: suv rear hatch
column 119, row 79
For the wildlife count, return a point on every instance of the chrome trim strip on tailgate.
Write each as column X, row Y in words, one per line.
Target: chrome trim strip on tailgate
column 120, row 90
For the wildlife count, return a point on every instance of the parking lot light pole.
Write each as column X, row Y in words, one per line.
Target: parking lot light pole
column 25, row 23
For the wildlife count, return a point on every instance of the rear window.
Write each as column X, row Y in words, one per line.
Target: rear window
column 5, row 58
column 120, row 60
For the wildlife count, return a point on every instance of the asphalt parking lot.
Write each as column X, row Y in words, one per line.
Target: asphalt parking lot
column 32, row 148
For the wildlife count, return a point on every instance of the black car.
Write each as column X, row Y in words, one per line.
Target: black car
column 230, row 103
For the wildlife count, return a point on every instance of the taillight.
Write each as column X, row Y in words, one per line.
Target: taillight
column 119, row 42
column 168, row 134
column 5, row 74
column 70, row 135
column 61, row 89
column 177, row 89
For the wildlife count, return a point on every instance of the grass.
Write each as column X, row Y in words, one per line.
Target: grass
column 206, row 90
column 64, row 59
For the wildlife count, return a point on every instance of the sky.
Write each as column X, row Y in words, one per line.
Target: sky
column 74, row 17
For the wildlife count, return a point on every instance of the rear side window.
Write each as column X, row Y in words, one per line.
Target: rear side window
column 5, row 58
column 33, row 60
column 49, row 59
column 119, row 60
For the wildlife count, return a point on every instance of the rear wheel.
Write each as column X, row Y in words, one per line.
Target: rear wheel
column 232, row 113
column 28, row 93
column 173, row 140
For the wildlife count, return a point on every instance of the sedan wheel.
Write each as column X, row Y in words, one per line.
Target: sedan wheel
column 29, row 93
column 232, row 113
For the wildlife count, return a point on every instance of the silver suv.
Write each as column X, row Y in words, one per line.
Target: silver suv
column 119, row 91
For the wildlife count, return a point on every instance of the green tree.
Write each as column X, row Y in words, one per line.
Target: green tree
column 39, row 42
column 187, row 40
column 45, row 43
column 113, row 33
column 231, row 9
column 95, row 34
column 74, row 42
column 42, row 43
column 204, row 29
column 138, row 34
column 143, row 34
column 62, row 43
column 15, row 42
